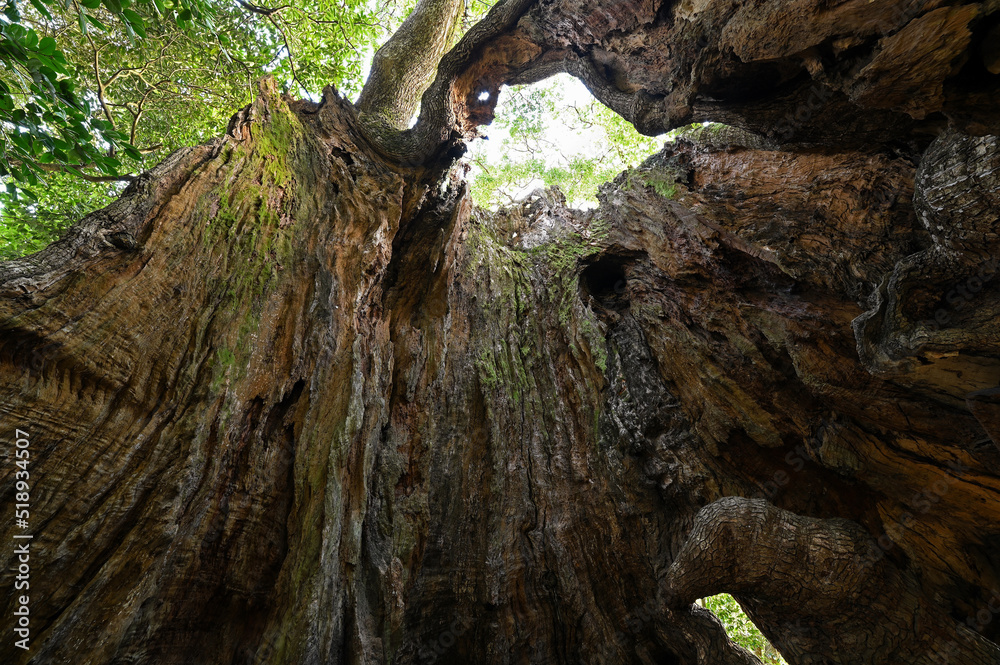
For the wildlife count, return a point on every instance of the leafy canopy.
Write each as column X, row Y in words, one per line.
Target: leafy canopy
column 46, row 119
column 94, row 91
column 554, row 134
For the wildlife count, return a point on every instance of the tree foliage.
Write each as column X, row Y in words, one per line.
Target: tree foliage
column 93, row 91
column 554, row 134
column 46, row 117
column 741, row 629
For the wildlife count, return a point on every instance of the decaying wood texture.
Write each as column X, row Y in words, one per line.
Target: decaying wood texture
column 292, row 400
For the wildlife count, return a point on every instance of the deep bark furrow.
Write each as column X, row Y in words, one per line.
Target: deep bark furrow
column 293, row 400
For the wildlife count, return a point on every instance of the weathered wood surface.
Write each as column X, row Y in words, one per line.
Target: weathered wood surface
column 290, row 401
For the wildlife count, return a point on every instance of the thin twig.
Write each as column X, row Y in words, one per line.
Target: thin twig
column 138, row 114
column 263, row 11
column 288, row 50
column 100, row 84
column 73, row 169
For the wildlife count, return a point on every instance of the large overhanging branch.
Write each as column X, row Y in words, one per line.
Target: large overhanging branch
column 719, row 69
column 650, row 114
column 400, row 72
column 493, row 53
column 781, row 564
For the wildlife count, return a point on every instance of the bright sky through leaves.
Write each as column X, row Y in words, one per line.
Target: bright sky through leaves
column 175, row 85
column 553, row 133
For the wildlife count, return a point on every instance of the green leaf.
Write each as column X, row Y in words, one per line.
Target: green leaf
column 21, row 141
column 47, row 73
column 129, row 32
column 47, row 46
column 15, row 32
column 41, row 9
column 135, row 21
column 29, row 173
column 97, row 24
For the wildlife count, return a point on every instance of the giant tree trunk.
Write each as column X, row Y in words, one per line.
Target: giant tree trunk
column 292, row 400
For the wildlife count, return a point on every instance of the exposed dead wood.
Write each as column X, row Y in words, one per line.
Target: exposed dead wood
column 292, row 400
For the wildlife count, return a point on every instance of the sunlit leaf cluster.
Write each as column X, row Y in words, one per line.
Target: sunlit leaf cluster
column 54, row 139
column 741, row 629
column 43, row 118
column 93, row 91
column 552, row 135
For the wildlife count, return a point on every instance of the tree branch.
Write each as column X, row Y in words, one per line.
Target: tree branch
column 100, row 84
column 403, row 67
column 288, row 50
column 137, row 115
column 437, row 123
column 257, row 9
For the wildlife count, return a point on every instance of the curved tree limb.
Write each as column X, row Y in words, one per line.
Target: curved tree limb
column 403, row 66
column 650, row 114
column 383, row 114
column 779, row 563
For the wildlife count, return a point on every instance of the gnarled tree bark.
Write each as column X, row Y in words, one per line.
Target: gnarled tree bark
column 291, row 399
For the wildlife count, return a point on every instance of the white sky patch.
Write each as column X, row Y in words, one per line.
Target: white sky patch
column 565, row 136
column 572, row 92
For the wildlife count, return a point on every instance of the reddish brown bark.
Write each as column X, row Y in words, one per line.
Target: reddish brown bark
column 292, row 401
